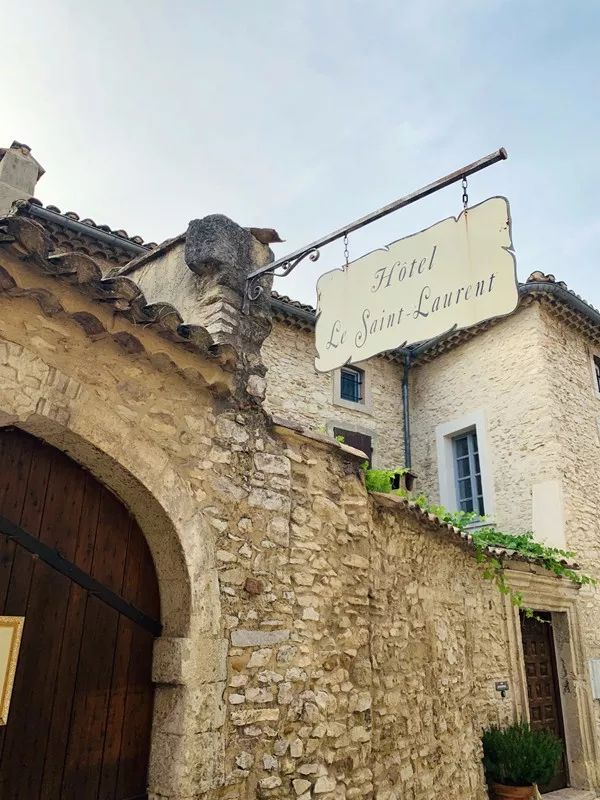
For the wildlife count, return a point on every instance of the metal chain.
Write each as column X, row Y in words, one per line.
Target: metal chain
column 346, row 250
column 465, row 196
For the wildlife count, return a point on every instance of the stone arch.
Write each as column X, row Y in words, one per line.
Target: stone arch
column 189, row 658
column 159, row 528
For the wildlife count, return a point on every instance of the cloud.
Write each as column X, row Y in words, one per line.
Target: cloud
column 305, row 115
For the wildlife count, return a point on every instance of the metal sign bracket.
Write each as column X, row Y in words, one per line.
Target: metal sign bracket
column 284, row 266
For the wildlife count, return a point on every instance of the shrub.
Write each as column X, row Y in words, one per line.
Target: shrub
column 520, row 756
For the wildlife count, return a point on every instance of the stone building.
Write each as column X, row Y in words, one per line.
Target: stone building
column 217, row 606
column 521, row 394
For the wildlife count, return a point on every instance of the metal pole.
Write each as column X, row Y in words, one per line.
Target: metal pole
column 287, row 264
column 406, row 411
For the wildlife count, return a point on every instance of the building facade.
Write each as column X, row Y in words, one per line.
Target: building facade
column 513, row 407
column 280, row 632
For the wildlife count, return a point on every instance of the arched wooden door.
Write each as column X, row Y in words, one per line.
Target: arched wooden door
column 75, row 564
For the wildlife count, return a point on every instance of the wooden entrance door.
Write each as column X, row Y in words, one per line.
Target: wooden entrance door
column 75, row 564
column 542, row 686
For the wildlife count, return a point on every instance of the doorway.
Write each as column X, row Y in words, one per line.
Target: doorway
column 543, row 692
column 75, row 564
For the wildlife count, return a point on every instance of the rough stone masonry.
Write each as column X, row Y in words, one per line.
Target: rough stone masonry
column 317, row 642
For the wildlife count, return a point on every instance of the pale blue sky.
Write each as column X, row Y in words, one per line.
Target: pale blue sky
column 304, row 115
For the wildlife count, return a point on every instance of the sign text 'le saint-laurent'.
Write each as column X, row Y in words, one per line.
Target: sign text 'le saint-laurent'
column 456, row 273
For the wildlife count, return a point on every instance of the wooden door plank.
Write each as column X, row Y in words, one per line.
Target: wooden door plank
column 25, row 744
column 133, row 762
column 118, row 692
column 90, row 706
column 58, row 735
column 15, row 464
column 139, row 707
column 23, row 487
column 83, row 765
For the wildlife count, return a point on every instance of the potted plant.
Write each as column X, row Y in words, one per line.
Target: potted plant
column 517, row 758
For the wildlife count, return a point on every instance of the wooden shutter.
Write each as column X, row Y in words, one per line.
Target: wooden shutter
column 358, row 440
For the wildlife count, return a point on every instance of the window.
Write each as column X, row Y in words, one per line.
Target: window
column 351, row 388
column 596, row 360
column 467, row 472
column 352, row 384
column 361, row 441
column 466, row 438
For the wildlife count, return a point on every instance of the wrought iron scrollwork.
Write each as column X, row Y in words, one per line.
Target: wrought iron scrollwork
column 285, row 265
column 279, row 269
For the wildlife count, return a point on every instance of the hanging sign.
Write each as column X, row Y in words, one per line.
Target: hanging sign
column 452, row 275
column 11, row 629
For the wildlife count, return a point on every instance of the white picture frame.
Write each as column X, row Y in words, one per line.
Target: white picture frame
column 11, row 631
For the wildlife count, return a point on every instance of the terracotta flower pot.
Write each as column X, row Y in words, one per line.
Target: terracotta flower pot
column 513, row 792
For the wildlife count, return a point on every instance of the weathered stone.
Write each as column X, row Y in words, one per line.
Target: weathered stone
column 254, row 586
column 268, row 500
column 301, row 785
column 249, row 638
column 272, row 464
column 268, row 676
column 285, row 694
column 356, row 561
column 260, row 658
column 245, row 551
column 280, row 747
column 324, row 784
column 251, row 716
column 308, row 769
column 244, row 760
column 271, row 782
column 259, row 696
column 296, row 749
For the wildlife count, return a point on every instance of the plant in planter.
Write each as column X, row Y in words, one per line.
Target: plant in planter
column 517, row 758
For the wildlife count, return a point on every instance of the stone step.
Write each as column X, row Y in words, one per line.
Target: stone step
column 571, row 794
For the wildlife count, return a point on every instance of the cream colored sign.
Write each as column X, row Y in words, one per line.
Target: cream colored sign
column 11, row 629
column 455, row 274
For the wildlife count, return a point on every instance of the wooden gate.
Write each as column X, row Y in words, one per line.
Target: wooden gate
column 75, row 564
column 545, row 711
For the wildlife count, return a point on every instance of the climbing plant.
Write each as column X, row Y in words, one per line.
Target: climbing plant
column 485, row 538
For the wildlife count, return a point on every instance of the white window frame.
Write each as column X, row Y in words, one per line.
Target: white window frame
column 366, row 405
column 444, row 436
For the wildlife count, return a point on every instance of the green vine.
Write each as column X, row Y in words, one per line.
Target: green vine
column 551, row 558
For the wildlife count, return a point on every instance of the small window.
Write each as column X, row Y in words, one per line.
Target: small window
column 597, row 373
column 352, row 384
column 467, row 472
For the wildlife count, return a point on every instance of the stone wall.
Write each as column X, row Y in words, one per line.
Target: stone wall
column 574, row 426
column 531, row 375
column 364, row 643
column 296, row 391
column 315, row 643
column 501, row 372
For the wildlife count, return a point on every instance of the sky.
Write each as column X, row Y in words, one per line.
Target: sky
column 303, row 116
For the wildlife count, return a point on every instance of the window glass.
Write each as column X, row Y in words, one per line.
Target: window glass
column 597, row 372
column 469, row 488
column 352, row 384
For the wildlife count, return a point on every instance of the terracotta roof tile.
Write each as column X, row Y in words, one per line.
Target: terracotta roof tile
column 123, row 250
column 27, row 239
column 120, row 233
